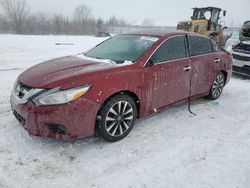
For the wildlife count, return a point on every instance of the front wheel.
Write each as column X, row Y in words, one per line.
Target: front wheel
column 217, row 87
column 117, row 118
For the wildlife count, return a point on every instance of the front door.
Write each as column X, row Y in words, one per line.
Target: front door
column 171, row 72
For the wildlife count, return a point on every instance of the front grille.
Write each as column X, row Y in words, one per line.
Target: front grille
column 22, row 89
column 19, row 118
column 241, row 58
column 242, row 47
column 246, row 32
column 23, row 94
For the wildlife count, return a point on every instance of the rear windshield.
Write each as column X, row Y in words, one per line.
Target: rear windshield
column 123, row 48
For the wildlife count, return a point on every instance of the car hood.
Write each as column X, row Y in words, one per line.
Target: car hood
column 63, row 71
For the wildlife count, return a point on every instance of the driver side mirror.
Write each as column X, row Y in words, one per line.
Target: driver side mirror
column 151, row 61
column 224, row 12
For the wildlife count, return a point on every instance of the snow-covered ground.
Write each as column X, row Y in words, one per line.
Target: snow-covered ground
column 171, row 149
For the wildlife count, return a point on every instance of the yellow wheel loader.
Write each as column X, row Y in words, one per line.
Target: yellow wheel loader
column 206, row 21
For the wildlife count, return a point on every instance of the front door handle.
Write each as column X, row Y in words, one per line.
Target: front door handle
column 217, row 60
column 187, row 68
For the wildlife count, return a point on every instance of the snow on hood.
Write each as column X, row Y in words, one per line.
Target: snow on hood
column 127, row 63
column 82, row 56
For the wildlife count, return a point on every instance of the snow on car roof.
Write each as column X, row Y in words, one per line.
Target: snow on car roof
column 157, row 33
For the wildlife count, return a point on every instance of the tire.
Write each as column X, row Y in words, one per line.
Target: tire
column 217, row 87
column 117, row 118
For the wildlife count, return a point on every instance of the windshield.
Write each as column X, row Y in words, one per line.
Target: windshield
column 122, row 48
column 199, row 14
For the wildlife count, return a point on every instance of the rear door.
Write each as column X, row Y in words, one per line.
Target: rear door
column 205, row 62
column 172, row 78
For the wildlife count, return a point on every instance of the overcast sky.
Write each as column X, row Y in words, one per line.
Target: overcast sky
column 163, row 12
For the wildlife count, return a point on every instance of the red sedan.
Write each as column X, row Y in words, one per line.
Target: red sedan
column 124, row 78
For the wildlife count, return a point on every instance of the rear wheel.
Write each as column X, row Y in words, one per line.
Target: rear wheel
column 117, row 118
column 217, row 87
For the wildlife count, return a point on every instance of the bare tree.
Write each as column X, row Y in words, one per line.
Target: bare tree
column 114, row 21
column 83, row 14
column 38, row 23
column 15, row 17
column 16, row 11
column 148, row 22
column 99, row 24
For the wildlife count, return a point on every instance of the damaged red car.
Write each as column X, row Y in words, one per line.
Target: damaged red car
column 103, row 91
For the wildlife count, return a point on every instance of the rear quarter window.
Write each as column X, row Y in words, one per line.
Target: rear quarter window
column 214, row 46
column 200, row 45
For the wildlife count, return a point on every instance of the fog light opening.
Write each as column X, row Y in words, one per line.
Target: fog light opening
column 57, row 129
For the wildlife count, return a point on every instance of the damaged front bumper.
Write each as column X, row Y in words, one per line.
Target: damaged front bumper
column 241, row 63
column 70, row 121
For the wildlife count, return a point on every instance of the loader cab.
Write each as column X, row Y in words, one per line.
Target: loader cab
column 211, row 14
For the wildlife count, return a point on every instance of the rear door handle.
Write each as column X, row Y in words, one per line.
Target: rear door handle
column 217, row 60
column 187, row 68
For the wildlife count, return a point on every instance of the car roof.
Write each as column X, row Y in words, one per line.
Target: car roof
column 208, row 8
column 158, row 33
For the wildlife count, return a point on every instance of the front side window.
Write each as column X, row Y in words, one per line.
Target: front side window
column 123, row 48
column 200, row 45
column 173, row 48
column 215, row 16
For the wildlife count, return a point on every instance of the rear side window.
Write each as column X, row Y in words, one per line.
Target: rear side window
column 200, row 45
column 173, row 48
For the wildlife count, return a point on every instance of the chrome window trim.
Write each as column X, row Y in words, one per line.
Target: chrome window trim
column 200, row 37
column 188, row 55
column 169, row 61
column 161, row 45
column 204, row 54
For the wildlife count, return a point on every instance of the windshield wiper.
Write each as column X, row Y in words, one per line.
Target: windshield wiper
column 103, row 59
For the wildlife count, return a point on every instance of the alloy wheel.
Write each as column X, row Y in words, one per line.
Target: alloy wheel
column 119, row 118
column 218, row 85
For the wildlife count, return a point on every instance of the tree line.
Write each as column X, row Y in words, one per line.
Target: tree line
column 15, row 17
